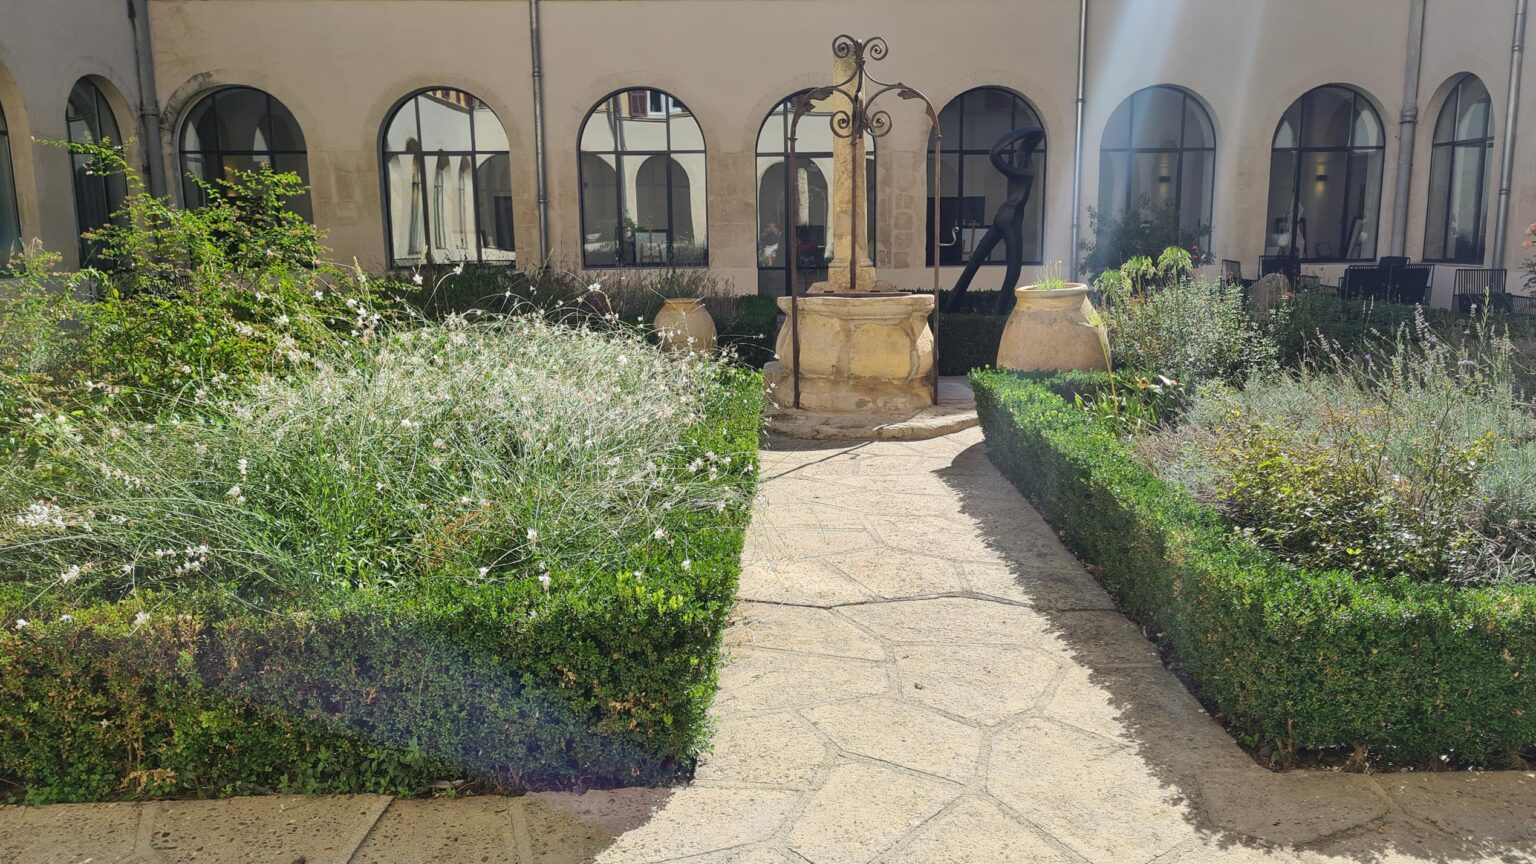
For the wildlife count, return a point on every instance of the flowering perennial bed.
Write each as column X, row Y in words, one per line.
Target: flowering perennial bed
column 500, row 553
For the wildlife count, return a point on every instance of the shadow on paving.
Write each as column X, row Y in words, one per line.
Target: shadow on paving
column 1156, row 729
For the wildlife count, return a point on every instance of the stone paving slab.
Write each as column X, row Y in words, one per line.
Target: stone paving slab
column 917, row 673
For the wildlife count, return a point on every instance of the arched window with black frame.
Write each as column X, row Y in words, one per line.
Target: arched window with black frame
column 643, row 192
column 1157, row 164
column 447, row 181
column 1325, row 176
column 241, row 129
column 811, row 237
column 10, row 212
column 972, row 189
column 1455, row 228
column 99, row 195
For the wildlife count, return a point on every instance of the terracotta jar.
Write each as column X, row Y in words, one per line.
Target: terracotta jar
column 1053, row 330
column 683, row 324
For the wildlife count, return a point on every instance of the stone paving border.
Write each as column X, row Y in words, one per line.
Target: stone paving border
column 918, row 673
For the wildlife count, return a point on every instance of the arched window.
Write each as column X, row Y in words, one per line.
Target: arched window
column 1456, row 226
column 98, row 196
column 241, row 128
column 1325, row 178
column 468, row 218
column 642, row 183
column 811, row 237
column 10, row 214
column 972, row 189
column 1158, row 162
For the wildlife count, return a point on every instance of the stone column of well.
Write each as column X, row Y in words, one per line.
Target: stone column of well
column 849, row 178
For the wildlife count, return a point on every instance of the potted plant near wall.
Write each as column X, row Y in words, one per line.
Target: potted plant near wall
column 684, row 323
column 1053, row 327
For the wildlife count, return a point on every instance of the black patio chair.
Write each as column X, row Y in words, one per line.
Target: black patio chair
column 1363, row 282
column 1481, row 289
column 1231, row 271
column 1288, row 266
column 1408, row 284
column 1393, row 260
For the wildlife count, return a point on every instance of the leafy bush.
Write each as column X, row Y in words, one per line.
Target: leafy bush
column 1405, row 672
column 1142, row 231
column 501, row 551
column 625, row 295
column 1413, row 459
column 747, row 326
column 197, row 301
column 968, row 341
column 1188, row 329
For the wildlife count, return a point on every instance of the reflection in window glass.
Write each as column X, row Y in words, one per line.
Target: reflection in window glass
column 1325, row 178
column 1159, row 154
column 642, row 183
column 98, row 197
column 447, row 181
column 1456, row 225
column 810, row 239
column 10, row 214
column 241, row 129
column 972, row 189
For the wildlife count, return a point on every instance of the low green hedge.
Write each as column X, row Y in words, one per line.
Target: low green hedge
column 748, row 324
column 603, row 682
column 1300, row 659
column 968, row 341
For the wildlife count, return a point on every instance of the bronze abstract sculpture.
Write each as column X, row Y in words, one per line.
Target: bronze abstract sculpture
column 1012, row 156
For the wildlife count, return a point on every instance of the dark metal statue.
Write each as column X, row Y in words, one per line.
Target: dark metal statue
column 1011, row 155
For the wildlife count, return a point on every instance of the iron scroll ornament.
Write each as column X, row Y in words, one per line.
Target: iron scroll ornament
column 853, row 123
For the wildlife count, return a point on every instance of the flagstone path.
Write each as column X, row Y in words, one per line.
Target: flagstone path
column 918, row 673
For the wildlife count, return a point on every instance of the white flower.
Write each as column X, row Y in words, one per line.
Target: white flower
column 416, row 279
column 595, row 288
column 22, row 622
column 544, row 581
column 66, row 618
column 659, row 534
column 281, row 320
column 459, row 270
column 687, row 564
column 319, row 295
column 42, row 514
column 533, row 535
column 235, row 494
column 141, row 619
column 243, row 466
column 70, row 575
column 484, row 571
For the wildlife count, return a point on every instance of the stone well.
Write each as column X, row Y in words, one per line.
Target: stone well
column 866, row 353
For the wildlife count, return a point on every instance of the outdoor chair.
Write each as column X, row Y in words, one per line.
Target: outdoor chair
column 1231, row 271
column 1409, row 284
column 1481, row 289
column 1393, row 260
column 1363, row 282
column 1288, row 266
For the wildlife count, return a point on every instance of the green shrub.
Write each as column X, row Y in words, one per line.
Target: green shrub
column 1413, row 458
column 1303, row 659
column 1145, row 230
column 1188, row 329
column 501, row 551
column 747, row 326
column 968, row 341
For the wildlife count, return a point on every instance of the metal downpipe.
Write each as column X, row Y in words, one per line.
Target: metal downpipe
column 149, row 99
column 1407, row 125
column 1511, row 117
column 539, row 152
column 1077, row 144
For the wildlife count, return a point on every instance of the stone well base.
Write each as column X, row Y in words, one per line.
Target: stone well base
column 863, row 354
column 956, row 410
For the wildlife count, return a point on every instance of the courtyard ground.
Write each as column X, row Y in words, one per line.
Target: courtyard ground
column 918, row 672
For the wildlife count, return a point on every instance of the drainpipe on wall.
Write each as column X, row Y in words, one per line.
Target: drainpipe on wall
column 1077, row 156
column 149, row 99
column 1511, row 114
column 1408, row 122
column 538, row 128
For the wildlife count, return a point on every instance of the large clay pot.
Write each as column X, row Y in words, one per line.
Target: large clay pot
column 683, row 324
column 1053, row 330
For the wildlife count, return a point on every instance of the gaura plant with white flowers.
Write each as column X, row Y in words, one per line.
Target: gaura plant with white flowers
column 485, row 549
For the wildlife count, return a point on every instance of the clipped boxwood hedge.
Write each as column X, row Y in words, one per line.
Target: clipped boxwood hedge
column 1304, row 660
column 604, row 682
